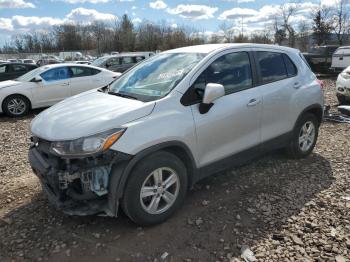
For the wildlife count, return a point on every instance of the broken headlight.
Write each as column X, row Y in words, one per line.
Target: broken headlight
column 89, row 145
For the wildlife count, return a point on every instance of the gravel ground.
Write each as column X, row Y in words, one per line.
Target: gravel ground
column 283, row 210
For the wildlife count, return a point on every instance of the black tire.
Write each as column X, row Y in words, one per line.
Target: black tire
column 23, row 110
column 294, row 148
column 132, row 203
column 342, row 100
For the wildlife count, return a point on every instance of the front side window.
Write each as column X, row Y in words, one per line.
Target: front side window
column 128, row 60
column 233, row 71
column 56, row 74
column 272, row 66
column 157, row 76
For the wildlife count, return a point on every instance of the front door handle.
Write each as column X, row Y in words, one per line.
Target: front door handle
column 253, row 102
column 65, row 84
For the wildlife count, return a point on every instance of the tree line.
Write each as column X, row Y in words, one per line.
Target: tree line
column 123, row 35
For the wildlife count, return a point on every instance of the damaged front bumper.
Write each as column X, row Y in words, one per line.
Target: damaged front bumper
column 78, row 186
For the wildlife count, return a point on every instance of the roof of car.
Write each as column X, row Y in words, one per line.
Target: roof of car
column 215, row 47
column 69, row 64
column 11, row 63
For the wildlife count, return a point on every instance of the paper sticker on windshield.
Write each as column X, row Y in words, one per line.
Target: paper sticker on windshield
column 171, row 74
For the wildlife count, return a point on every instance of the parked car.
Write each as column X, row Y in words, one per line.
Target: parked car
column 9, row 71
column 170, row 121
column 341, row 59
column 42, row 62
column 13, row 61
column 28, row 61
column 48, row 85
column 343, row 86
column 320, row 58
column 122, row 62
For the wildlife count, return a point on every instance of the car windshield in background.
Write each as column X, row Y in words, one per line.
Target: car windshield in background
column 31, row 74
column 157, row 76
column 99, row 61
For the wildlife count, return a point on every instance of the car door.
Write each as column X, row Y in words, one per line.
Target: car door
column 84, row 79
column 54, row 86
column 279, row 82
column 232, row 125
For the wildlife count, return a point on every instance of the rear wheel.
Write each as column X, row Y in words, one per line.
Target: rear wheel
column 304, row 136
column 156, row 189
column 16, row 105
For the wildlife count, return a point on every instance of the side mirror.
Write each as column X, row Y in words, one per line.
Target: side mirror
column 37, row 79
column 211, row 93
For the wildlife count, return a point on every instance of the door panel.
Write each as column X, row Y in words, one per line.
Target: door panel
column 82, row 79
column 232, row 124
column 280, row 82
column 229, row 127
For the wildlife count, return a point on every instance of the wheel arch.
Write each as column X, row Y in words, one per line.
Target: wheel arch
column 177, row 148
column 315, row 109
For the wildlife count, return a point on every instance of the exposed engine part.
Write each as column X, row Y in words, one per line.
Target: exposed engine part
column 96, row 180
column 64, row 178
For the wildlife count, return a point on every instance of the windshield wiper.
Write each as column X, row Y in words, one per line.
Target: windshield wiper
column 122, row 95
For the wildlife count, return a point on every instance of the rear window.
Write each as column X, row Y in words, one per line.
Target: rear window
column 272, row 66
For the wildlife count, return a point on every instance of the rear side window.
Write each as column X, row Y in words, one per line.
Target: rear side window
column 272, row 66
column 18, row 68
column 3, row 69
column 291, row 68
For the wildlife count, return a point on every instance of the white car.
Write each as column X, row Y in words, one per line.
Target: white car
column 343, row 86
column 50, row 84
column 341, row 58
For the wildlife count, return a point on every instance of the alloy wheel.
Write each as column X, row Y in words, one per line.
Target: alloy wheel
column 159, row 190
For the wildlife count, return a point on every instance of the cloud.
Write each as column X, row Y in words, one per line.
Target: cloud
column 174, row 26
column 15, row 4
column 85, row 1
column 240, row 1
column 194, row 12
column 133, row 7
column 19, row 23
column 83, row 15
column 237, row 13
column 136, row 20
column 158, row 4
column 6, row 24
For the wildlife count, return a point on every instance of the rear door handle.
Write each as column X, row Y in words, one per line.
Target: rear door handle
column 253, row 102
column 296, row 85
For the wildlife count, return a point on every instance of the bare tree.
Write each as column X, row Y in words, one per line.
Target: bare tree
column 228, row 32
column 286, row 11
column 322, row 24
column 341, row 23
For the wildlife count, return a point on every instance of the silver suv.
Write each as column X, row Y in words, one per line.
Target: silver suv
column 173, row 119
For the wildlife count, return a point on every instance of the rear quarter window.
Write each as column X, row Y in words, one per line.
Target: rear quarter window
column 290, row 66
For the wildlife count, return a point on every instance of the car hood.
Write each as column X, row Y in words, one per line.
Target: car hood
column 8, row 83
column 87, row 114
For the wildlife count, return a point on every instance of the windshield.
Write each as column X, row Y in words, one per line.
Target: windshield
column 157, row 76
column 99, row 61
column 31, row 74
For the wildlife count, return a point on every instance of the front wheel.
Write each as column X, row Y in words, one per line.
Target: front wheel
column 304, row 136
column 16, row 105
column 156, row 189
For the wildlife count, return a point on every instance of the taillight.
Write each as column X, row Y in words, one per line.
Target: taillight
column 320, row 82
